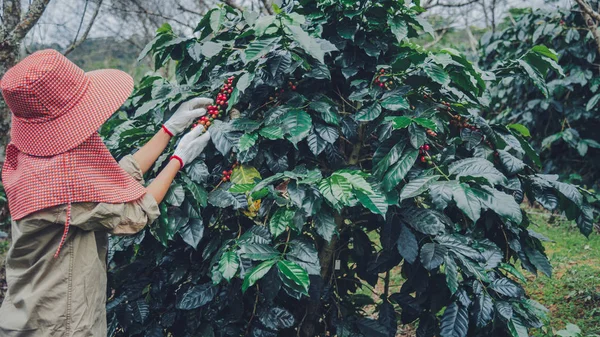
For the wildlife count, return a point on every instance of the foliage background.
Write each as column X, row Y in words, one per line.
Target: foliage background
column 326, row 165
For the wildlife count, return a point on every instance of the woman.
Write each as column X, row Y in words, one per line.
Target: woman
column 66, row 192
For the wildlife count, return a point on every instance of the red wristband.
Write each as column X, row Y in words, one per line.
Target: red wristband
column 179, row 160
column 167, row 131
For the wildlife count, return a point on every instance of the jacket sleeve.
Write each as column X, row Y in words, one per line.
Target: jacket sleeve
column 118, row 219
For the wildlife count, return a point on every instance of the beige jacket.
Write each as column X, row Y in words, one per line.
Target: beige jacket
column 66, row 297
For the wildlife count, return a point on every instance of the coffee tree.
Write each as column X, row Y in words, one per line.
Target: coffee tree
column 344, row 153
column 562, row 115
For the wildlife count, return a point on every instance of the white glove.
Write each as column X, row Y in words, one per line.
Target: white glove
column 191, row 145
column 187, row 112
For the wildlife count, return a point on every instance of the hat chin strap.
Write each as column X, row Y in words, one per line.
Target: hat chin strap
column 68, row 171
column 65, row 232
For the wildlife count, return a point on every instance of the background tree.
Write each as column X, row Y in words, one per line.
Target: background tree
column 346, row 152
column 13, row 30
column 563, row 115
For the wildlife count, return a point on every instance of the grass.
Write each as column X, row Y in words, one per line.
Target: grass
column 572, row 294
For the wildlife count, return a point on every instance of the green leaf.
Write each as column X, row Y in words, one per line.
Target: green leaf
column 516, row 328
column 347, row 30
column 316, row 144
column 175, row 195
column 395, row 103
column 520, row 128
column 477, row 168
column 244, row 174
column 400, row 122
column 328, row 133
column 545, row 51
column 399, row 170
column 198, row 172
column 217, row 18
column 256, row 274
column 455, row 321
column 436, row 73
column 306, row 42
column 228, row 265
column 592, row 102
column 258, row 48
column 210, row 49
column 417, row 135
column 539, row 260
column 407, row 245
column 432, row 255
column 297, row 124
column 529, row 151
column 514, row 271
column 244, row 82
column 262, row 23
column 294, row 273
column 258, row 252
column 451, row 271
column 304, row 253
column 484, row 309
column 325, row 225
column 426, row 221
column 417, row 186
column 247, row 140
column 467, row 201
column 192, row 232
column 427, row 28
column 385, row 156
column 283, row 218
column 337, row 190
column 512, row 164
column 507, row 287
column 368, row 113
column 375, row 202
column 196, row 297
column 398, row 26
column 198, row 192
column 426, row 123
column 499, row 202
column 534, row 74
column 272, row 132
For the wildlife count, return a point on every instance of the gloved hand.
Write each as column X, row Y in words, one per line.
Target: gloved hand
column 191, row 145
column 187, row 112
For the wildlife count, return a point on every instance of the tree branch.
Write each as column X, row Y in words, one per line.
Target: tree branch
column 35, row 11
column 233, row 4
column 588, row 10
column 11, row 10
column 266, row 7
column 430, row 5
column 437, row 39
column 187, row 10
column 592, row 18
column 81, row 21
column 76, row 42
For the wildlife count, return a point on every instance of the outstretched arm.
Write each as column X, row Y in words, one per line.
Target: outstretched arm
column 189, row 148
column 181, row 119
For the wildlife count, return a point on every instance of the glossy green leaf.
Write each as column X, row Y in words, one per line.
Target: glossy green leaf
column 228, row 265
column 280, row 220
column 294, row 273
column 256, row 274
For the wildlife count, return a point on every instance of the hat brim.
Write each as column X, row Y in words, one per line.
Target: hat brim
column 106, row 93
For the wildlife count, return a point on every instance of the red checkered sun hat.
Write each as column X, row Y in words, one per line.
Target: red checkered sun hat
column 56, row 156
column 56, row 105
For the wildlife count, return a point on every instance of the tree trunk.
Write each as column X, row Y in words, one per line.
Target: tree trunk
column 327, row 255
column 8, row 58
column 14, row 30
